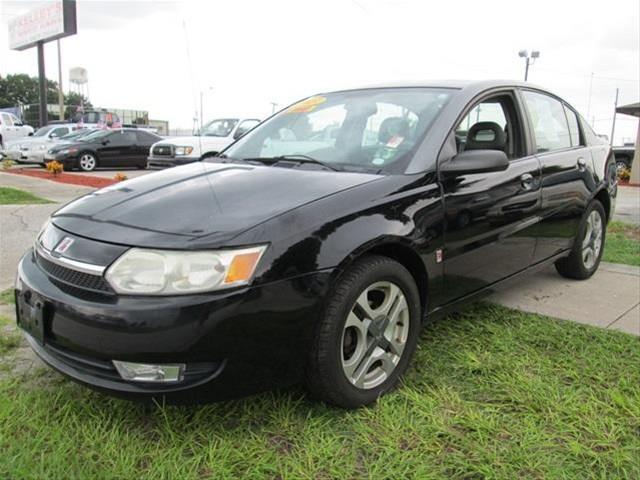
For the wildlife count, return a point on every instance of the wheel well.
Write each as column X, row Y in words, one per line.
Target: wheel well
column 603, row 197
column 409, row 259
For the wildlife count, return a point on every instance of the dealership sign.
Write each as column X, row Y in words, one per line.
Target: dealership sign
column 50, row 21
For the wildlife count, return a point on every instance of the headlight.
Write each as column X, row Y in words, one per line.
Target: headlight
column 24, row 147
column 142, row 271
column 184, row 150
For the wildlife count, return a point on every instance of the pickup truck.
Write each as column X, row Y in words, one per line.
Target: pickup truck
column 212, row 138
column 12, row 128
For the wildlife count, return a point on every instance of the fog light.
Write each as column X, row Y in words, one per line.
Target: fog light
column 144, row 372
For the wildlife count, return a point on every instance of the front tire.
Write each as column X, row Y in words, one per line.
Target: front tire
column 585, row 256
column 367, row 335
column 87, row 162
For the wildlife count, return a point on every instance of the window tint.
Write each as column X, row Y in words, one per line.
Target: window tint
column 59, row 132
column 549, row 122
column 147, row 138
column 574, row 129
column 123, row 138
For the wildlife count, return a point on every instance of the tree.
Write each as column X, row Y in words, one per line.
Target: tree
column 21, row 89
column 73, row 100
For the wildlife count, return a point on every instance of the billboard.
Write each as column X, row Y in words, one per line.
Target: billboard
column 54, row 19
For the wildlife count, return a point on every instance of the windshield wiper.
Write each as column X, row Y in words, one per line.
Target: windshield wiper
column 299, row 158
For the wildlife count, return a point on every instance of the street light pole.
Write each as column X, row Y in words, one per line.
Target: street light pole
column 529, row 60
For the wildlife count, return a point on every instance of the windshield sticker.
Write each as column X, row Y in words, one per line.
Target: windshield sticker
column 307, row 105
column 395, row 141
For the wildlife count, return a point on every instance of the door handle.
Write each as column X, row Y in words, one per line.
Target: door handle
column 526, row 179
column 582, row 164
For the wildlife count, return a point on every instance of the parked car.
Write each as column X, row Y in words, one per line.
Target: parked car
column 214, row 137
column 318, row 265
column 624, row 156
column 123, row 147
column 12, row 128
column 32, row 149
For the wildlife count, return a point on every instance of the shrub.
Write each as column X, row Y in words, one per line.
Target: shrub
column 7, row 163
column 54, row 167
column 120, row 177
column 624, row 174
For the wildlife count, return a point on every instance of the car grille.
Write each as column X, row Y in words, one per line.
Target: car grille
column 86, row 281
column 163, row 150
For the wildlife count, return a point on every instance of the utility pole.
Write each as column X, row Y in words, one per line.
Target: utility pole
column 590, row 90
column 42, row 85
column 613, row 125
column 60, row 94
column 201, row 116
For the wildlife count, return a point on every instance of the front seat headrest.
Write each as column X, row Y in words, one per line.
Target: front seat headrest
column 391, row 127
column 486, row 136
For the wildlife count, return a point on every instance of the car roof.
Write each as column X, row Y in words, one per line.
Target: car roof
column 466, row 85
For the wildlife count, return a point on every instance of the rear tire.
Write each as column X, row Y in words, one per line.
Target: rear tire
column 585, row 256
column 367, row 335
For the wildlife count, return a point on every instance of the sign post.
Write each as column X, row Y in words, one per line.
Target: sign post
column 51, row 21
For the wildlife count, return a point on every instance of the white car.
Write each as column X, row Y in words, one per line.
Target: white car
column 212, row 138
column 32, row 149
column 12, row 128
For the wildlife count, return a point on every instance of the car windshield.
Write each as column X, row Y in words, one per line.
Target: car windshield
column 360, row 130
column 221, row 127
column 42, row 131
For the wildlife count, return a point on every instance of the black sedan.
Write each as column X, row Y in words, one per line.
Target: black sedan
column 315, row 247
column 124, row 147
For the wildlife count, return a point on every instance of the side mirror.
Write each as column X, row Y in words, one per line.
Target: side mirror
column 53, row 135
column 475, row 161
column 31, row 134
column 106, row 141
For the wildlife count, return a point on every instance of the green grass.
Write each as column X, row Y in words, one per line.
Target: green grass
column 622, row 244
column 9, row 338
column 13, row 196
column 7, row 297
column 493, row 393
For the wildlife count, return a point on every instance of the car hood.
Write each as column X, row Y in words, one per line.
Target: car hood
column 199, row 205
column 193, row 141
column 24, row 141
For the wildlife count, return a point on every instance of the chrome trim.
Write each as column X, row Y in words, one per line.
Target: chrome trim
column 83, row 267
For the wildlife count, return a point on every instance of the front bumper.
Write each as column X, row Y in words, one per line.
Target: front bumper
column 164, row 162
column 234, row 343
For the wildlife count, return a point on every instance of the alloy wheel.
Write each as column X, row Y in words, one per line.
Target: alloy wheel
column 87, row 162
column 592, row 242
column 375, row 335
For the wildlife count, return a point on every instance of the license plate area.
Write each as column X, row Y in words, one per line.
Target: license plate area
column 31, row 314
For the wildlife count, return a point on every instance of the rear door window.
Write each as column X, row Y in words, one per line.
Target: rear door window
column 549, row 122
column 574, row 129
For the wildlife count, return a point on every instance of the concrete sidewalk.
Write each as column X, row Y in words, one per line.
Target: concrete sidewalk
column 609, row 299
